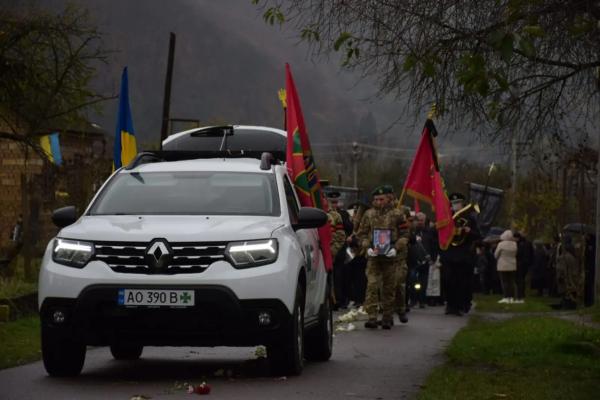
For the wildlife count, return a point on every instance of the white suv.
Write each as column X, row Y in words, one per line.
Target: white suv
column 176, row 250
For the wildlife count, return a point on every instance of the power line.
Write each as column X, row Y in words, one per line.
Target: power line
column 477, row 149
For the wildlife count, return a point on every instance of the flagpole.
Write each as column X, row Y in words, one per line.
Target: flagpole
column 282, row 94
column 401, row 197
column 485, row 192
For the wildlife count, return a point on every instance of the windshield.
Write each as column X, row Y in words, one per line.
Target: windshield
column 189, row 193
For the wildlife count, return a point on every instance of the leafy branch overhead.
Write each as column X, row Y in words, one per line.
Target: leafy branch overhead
column 47, row 62
column 527, row 63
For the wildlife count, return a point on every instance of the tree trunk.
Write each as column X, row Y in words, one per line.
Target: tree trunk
column 30, row 228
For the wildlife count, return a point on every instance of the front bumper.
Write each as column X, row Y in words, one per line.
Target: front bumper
column 277, row 279
column 218, row 318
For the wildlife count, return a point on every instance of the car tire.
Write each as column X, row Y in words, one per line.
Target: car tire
column 286, row 354
column 319, row 340
column 122, row 351
column 62, row 356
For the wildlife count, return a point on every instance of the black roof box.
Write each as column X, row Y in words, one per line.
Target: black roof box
column 232, row 138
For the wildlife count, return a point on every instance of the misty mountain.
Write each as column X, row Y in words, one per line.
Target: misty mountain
column 228, row 67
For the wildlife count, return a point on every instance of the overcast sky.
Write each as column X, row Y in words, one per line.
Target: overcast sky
column 229, row 65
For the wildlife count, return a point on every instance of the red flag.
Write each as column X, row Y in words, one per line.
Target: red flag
column 301, row 165
column 424, row 182
column 443, row 212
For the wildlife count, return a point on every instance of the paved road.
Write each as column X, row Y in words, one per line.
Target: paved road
column 365, row 365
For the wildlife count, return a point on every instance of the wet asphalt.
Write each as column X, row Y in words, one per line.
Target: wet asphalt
column 366, row 364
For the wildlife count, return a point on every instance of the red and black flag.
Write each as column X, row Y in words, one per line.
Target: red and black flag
column 301, row 164
column 424, row 182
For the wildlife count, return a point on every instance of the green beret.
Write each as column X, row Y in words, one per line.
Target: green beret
column 383, row 189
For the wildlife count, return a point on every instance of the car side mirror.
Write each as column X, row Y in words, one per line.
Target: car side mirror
column 64, row 216
column 309, row 218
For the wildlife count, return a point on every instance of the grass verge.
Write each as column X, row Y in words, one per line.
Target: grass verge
column 19, row 342
column 11, row 288
column 594, row 311
column 489, row 303
column 522, row 358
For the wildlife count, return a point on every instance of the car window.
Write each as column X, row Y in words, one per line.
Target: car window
column 189, row 193
column 291, row 200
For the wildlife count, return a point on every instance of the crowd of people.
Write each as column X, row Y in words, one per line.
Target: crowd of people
column 387, row 259
column 555, row 269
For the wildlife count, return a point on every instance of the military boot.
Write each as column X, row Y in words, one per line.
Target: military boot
column 386, row 324
column 371, row 324
column 403, row 318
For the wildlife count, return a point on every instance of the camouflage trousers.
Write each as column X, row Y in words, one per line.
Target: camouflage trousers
column 380, row 278
column 401, row 271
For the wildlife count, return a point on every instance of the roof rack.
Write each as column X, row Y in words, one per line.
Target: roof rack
column 267, row 160
column 146, row 157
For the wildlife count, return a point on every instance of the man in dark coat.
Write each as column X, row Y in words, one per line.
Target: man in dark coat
column 524, row 261
column 425, row 244
column 458, row 260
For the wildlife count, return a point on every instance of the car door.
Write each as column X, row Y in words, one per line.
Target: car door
column 309, row 241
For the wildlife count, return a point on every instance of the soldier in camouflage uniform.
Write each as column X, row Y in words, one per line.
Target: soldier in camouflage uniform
column 401, row 265
column 338, row 235
column 383, row 219
column 357, row 265
column 338, row 239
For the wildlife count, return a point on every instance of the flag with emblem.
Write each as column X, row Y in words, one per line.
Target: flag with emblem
column 424, row 182
column 125, row 148
column 301, row 164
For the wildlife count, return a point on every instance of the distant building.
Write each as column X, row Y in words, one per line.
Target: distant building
column 33, row 188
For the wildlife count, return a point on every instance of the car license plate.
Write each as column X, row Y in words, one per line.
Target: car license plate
column 156, row 298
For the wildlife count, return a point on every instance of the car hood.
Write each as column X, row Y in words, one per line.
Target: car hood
column 180, row 228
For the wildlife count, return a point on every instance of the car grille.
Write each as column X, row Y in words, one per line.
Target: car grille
column 187, row 257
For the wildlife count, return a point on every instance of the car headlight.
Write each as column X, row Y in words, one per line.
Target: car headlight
column 73, row 253
column 252, row 253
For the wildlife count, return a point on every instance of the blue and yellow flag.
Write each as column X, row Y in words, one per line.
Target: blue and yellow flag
column 51, row 146
column 125, row 144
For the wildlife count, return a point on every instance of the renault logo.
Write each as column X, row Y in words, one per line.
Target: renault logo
column 158, row 255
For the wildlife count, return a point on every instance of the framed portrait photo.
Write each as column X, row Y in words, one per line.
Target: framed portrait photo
column 382, row 241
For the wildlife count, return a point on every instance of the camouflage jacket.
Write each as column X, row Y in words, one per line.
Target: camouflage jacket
column 338, row 235
column 384, row 218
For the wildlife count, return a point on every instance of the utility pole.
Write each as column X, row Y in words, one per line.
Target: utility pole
column 355, row 157
column 167, row 96
column 513, row 163
column 340, row 168
column 596, row 296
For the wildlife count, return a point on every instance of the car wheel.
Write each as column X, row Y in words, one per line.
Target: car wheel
column 122, row 351
column 286, row 355
column 319, row 341
column 62, row 356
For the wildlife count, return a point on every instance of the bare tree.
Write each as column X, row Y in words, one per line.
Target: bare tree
column 516, row 63
column 46, row 64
